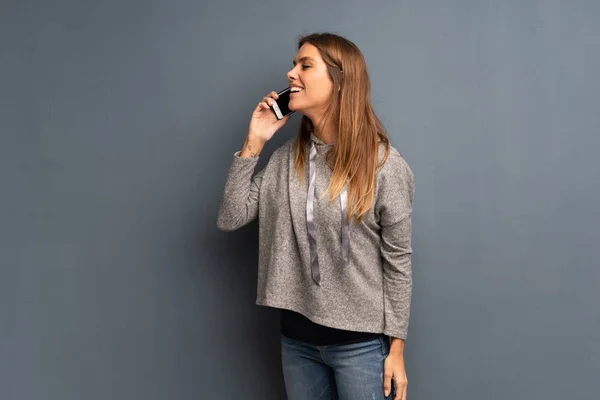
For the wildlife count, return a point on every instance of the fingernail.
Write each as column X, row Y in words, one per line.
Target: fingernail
column 386, row 393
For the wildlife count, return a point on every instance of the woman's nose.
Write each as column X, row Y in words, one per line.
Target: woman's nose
column 291, row 75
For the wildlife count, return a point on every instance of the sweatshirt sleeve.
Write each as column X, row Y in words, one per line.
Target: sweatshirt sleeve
column 394, row 207
column 239, row 205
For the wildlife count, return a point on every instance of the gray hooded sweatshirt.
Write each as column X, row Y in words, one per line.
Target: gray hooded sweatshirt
column 314, row 261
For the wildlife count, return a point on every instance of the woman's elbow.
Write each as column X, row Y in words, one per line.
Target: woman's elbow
column 226, row 224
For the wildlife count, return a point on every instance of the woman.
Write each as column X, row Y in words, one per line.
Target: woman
column 338, row 267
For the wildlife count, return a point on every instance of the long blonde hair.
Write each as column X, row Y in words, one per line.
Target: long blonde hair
column 360, row 132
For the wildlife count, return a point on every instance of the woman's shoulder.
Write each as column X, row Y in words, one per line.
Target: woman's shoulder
column 395, row 163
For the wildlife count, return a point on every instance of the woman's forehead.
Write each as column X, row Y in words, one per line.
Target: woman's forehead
column 307, row 52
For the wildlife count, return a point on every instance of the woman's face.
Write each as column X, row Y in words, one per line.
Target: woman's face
column 311, row 75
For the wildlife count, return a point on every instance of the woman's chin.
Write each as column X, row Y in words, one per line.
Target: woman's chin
column 294, row 106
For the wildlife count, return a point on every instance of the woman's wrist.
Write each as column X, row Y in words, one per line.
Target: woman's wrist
column 252, row 147
column 397, row 345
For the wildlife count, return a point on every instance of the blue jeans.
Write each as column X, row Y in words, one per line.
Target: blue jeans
column 334, row 372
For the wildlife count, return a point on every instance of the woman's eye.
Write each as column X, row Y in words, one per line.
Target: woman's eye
column 305, row 66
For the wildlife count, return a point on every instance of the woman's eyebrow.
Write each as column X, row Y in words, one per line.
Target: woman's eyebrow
column 303, row 59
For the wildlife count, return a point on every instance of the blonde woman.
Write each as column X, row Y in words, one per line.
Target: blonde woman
column 334, row 207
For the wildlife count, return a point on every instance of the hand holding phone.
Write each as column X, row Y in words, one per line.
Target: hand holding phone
column 265, row 121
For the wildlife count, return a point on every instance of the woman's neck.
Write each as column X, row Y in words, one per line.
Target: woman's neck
column 327, row 133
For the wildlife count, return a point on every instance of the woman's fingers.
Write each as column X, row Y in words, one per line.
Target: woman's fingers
column 401, row 388
column 268, row 100
column 387, row 382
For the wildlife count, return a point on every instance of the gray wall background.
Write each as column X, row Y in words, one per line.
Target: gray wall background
column 119, row 120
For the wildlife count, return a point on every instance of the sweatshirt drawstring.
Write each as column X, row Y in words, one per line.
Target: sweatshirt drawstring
column 310, row 220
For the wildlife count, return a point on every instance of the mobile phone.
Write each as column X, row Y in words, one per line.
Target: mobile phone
column 280, row 106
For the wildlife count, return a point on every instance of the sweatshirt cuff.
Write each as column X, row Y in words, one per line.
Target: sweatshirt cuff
column 398, row 333
column 248, row 160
